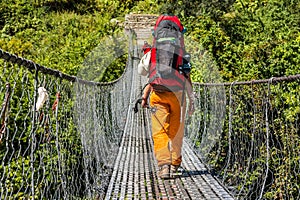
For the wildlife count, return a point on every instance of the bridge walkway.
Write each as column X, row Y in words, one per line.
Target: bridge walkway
column 135, row 171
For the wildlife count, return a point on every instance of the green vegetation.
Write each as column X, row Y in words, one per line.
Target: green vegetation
column 61, row 34
column 245, row 39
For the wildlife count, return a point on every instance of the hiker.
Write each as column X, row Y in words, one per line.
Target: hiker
column 169, row 81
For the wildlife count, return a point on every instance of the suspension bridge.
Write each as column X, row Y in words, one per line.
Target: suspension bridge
column 63, row 137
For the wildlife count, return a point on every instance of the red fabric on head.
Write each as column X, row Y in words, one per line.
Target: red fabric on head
column 146, row 47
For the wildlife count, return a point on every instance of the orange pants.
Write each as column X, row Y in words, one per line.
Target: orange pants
column 167, row 126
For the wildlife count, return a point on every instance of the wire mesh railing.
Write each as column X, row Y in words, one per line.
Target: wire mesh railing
column 248, row 134
column 60, row 134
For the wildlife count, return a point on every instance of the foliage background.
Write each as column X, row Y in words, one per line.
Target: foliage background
column 246, row 39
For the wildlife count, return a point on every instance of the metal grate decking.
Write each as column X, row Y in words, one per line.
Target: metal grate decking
column 135, row 171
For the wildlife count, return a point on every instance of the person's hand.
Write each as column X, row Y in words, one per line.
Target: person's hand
column 144, row 103
column 145, row 96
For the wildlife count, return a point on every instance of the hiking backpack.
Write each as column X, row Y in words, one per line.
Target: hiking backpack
column 167, row 54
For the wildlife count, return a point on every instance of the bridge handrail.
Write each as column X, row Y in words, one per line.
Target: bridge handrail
column 34, row 66
column 30, row 65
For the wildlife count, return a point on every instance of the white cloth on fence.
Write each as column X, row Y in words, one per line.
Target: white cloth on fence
column 43, row 96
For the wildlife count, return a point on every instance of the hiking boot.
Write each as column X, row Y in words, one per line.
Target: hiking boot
column 174, row 169
column 164, row 172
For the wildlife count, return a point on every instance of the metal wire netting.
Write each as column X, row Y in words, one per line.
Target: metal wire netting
column 60, row 134
column 248, row 135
